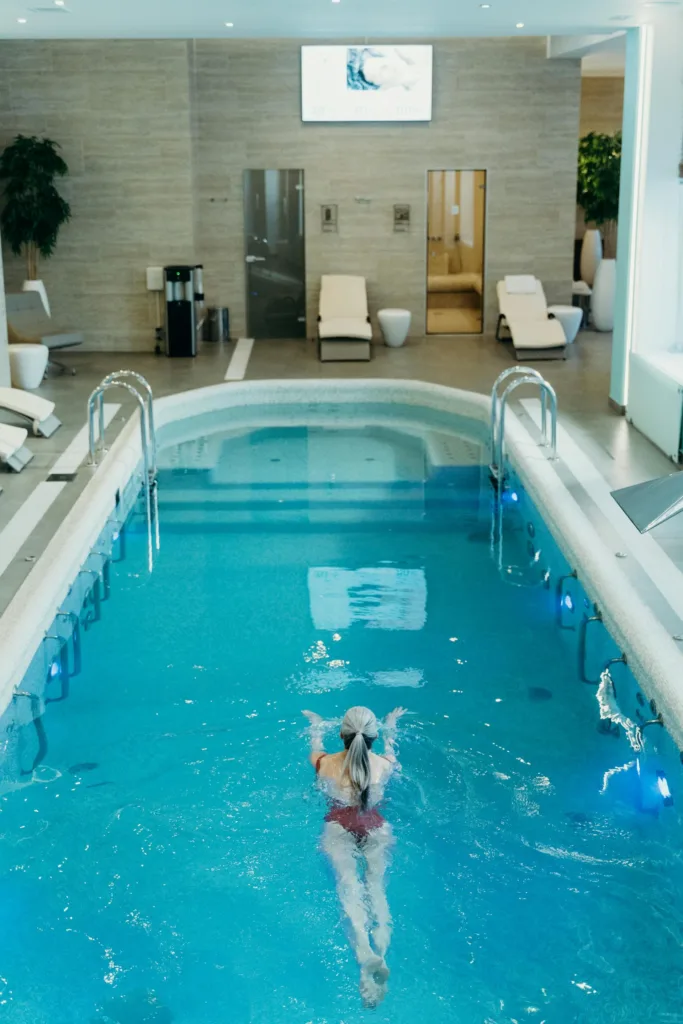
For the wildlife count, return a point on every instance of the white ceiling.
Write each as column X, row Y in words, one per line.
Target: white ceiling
column 607, row 60
column 322, row 19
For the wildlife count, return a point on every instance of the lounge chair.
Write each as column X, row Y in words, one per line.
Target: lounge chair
column 39, row 411
column 344, row 329
column 534, row 332
column 13, row 454
column 27, row 321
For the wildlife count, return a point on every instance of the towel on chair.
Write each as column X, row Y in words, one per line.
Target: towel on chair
column 520, row 284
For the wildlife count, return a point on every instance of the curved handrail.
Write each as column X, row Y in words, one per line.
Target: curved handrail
column 497, row 464
column 149, row 482
column 524, row 371
column 152, row 437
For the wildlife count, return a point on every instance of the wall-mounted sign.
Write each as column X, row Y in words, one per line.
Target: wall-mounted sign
column 328, row 217
column 401, row 217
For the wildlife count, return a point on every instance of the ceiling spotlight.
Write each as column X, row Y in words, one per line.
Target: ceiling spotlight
column 230, row 24
column 22, row 21
column 484, row 7
column 60, row 3
column 520, row 24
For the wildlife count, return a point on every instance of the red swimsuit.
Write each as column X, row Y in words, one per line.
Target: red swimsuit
column 359, row 821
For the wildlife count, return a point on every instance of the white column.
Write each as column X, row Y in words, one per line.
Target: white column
column 4, row 354
column 649, row 254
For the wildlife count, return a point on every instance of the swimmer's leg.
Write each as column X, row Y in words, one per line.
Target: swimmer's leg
column 341, row 848
column 376, row 849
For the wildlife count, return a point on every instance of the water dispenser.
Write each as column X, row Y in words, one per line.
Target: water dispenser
column 181, row 318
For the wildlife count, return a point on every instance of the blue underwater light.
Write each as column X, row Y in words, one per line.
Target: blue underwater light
column 663, row 787
column 568, row 603
column 54, row 669
column 654, row 787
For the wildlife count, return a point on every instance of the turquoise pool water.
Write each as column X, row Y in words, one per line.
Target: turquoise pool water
column 163, row 865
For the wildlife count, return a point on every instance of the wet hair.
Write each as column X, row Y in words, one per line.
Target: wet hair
column 359, row 730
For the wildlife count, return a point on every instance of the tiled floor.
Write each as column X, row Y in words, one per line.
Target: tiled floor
column 621, row 454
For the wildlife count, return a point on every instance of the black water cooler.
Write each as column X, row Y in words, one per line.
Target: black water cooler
column 183, row 288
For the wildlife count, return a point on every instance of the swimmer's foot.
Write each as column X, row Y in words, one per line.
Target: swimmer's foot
column 374, row 975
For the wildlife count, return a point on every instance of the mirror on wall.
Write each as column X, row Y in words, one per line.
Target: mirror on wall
column 455, row 251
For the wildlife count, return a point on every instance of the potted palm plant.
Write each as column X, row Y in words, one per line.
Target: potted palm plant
column 34, row 211
column 598, row 195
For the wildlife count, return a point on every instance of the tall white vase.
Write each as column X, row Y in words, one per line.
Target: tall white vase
column 38, row 286
column 591, row 254
column 602, row 300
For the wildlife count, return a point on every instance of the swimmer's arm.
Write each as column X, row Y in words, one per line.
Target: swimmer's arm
column 316, row 733
column 389, row 732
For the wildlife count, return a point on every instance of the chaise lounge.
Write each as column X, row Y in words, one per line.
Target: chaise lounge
column 13, row 454
column 534, row 332
column 344, row 329
column 39, row 411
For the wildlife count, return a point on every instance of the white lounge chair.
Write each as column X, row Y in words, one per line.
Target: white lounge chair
column 344, row 329
column 534, row 332
column 27, row 321
column 13, row 454
column 38, row 410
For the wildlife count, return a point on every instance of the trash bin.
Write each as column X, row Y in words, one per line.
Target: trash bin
column 217, row 324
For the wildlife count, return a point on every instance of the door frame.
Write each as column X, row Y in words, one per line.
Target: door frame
column 484, row 269
column 302, row 171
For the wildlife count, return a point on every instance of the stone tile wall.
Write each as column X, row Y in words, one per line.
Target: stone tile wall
column 158, row 133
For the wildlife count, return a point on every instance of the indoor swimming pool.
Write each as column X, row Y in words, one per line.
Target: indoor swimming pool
column 160, row 825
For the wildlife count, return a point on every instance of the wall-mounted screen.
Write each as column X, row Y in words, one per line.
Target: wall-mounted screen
column 366, row 83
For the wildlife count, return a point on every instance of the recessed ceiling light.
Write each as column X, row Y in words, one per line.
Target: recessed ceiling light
column 22, row 21
column 484, row 7
column 520, row 24
column 230, row 24
column 60, row 3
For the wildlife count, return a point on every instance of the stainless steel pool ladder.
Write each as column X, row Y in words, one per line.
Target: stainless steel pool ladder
column 145, row 399
column 523, row 375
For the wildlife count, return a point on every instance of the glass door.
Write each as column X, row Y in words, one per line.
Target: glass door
column 456, row 212
column 275, row 253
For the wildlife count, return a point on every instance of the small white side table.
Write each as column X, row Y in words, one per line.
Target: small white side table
column 395, row 324
column 570, row 317
column 27, row 362
column 581, row 297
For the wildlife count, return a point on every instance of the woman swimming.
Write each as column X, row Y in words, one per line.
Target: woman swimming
column 356, row 833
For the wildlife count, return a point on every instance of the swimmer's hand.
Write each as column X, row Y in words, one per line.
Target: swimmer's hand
column 393, row 717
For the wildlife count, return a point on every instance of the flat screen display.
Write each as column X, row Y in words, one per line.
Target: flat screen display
column 366, row 83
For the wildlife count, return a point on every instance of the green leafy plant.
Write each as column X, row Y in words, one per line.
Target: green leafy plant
column 599, row 173
column 34, row 210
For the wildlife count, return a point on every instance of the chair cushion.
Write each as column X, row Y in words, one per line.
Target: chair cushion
column 343, row 295
column 522, row 306
column 345, row 327
column 536, row 333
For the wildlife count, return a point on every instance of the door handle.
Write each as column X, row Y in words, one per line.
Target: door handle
column 255, row 259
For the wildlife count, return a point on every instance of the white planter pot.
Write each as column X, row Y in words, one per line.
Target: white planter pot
column 591, row 255
column 602, row 301
column 38, row 286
